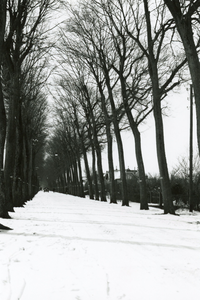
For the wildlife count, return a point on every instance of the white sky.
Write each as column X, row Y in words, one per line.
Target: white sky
column 69, row 248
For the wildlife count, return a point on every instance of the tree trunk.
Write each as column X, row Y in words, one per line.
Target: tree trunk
column 30, row 168
column 18, row 166
column 194, row 67
column 90, row 186
column 64, row 181
column 87, row 169
column 109, row 142
column 25, row 171
column 10, row 148
column 80, row 178
column 141, row 171
column 111, row 166
column 160, row 144
column 138, row 149
column 140, row 163
column 94, row 173
column 125, row 200
column 100, row 173
column 3, row 210
column 96, row 145
column 79, row 170
column 99, row 163
column 162, row 162
column 76, row 181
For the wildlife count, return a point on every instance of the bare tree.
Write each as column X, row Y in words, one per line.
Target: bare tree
column 68, row 149
column 34, row 114
column 158, row 90
column 153, row 36
column 186, row 17
column 24, row 34
column 134, row 82
column 3, row 210
column 87, row 96
column 75, row 125
column 91, row 30
column 83, row 96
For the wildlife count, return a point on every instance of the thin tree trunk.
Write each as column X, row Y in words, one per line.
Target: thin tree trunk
column 79, row 169
column 162, row 162
column 80, row 178
column 90, row 186
column 138, row 149
column 110, row 147
column 96, row 146
column 100, row 172
column 111, row 165
column 125, row 200
column 94, row 173
column 99, row 164
column 25, row 171
column 76, row 181
column 68, row 180
column 30, row 168
column 141, row 171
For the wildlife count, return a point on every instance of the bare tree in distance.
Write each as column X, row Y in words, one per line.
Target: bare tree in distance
column 89, row 61
column 73, row 115
column 92, row 31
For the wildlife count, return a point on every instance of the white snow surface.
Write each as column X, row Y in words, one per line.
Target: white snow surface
column 69, row 248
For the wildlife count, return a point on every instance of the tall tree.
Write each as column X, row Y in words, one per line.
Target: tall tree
column 133, row 78
column 3, row 210
column 153, row 70
column 153, row 36
column 186, row 17
column 25, row 35
column 85, row 51
column 87, row 97
column 90, row 29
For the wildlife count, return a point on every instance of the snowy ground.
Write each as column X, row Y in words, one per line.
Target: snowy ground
column 69, row 248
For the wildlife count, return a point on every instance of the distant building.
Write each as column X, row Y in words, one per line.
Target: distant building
column 132, row 184
column 130, row 174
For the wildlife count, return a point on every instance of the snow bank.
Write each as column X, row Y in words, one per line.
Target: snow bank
column 66, row 248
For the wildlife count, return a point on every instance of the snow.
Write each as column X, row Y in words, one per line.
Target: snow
column 69, row 248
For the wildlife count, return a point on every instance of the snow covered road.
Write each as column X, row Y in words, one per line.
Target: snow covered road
column 68, row 248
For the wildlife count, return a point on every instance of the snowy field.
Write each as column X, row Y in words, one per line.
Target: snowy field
column 68, row 248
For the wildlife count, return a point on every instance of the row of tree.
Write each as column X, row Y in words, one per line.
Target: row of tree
column 24, row 54
column 118, row 60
